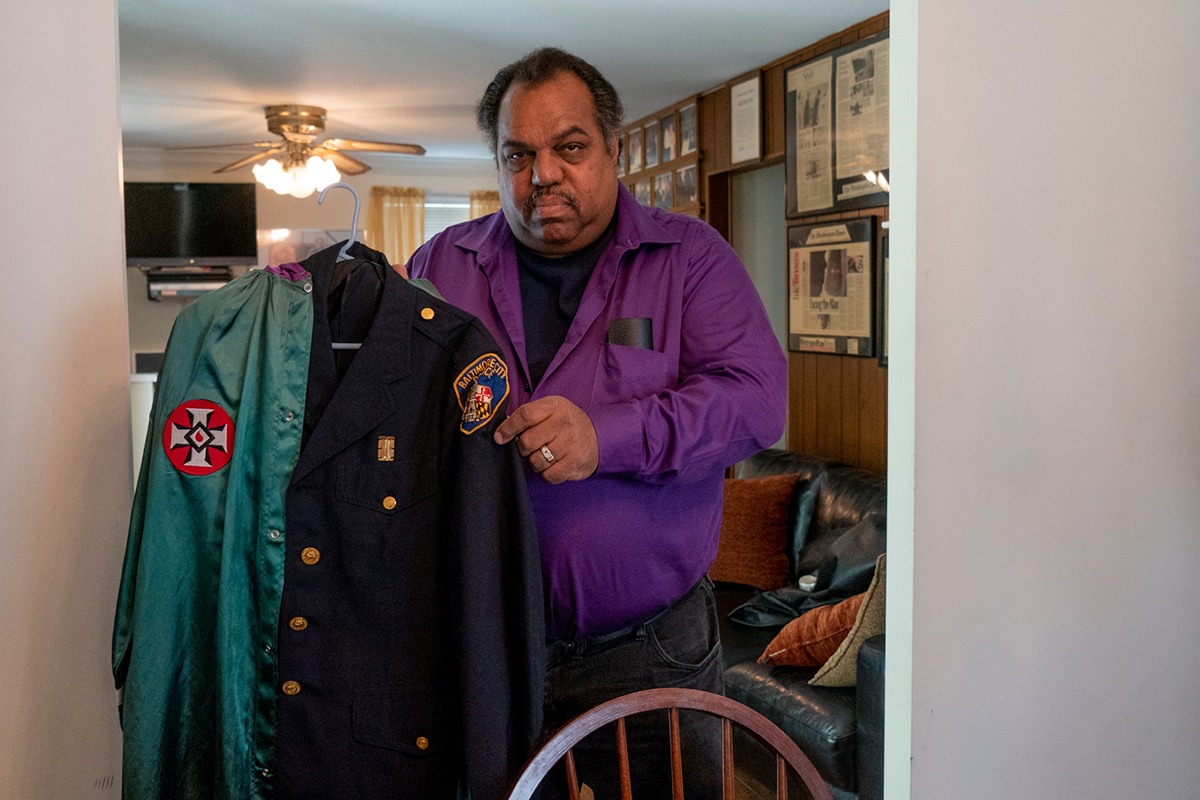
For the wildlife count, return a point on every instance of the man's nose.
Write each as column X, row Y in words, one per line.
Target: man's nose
column 547, row 170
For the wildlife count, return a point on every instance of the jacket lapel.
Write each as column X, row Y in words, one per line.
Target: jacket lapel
column 363, row 399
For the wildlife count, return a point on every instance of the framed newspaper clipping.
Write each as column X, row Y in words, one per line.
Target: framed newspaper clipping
column 831, row 287
column 836, row 129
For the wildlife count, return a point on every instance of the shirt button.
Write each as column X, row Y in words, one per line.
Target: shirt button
column 266, row 648
column 528, row 389
column 266, row 773
column 289, row 416
column 274, row 534
column 291, row 687
column 308, row 288
column 297, row 623
column 310, row 555
column 389, row 502
column 422, row 743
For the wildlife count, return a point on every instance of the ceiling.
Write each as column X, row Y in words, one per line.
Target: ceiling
column 394, row 70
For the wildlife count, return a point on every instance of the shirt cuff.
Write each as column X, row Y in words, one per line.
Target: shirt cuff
column 619, row 437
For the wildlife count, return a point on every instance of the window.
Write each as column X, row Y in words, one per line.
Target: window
column 442, row 212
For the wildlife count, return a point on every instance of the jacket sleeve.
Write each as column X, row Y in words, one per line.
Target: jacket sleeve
column 730, row 399
column 497, row 603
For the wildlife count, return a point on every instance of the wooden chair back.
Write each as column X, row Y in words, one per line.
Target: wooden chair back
column 559, row 747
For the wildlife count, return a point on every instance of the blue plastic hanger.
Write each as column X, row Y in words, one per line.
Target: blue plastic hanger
column 344, row 254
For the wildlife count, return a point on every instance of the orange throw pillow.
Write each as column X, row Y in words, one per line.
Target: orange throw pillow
column 813, row 637
column 753, row 547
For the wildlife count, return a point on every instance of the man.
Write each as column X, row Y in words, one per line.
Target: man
column 643, row 365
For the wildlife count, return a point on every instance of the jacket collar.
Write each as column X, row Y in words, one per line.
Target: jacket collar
column 346, row 411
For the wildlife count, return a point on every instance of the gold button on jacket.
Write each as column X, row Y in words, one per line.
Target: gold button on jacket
column 310, row 555
column 389, row 502
column 422, row 743
column 297, row 623
column 291, row 687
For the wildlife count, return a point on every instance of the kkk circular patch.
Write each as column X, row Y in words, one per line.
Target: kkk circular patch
column 198, row 437
column 481, row 388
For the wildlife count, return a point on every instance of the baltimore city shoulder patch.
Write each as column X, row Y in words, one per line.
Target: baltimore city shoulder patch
column 198, row 437
column 481, row 388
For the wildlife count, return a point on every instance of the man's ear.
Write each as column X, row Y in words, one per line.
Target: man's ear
column 614, row 148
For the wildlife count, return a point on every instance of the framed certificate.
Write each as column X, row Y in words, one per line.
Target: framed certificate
column 744, row 120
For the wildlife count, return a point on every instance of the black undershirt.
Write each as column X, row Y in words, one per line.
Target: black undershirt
column 551, row 289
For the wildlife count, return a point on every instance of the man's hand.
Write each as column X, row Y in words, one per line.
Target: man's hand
column 558, row 426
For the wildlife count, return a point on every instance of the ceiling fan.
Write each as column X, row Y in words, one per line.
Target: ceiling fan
column 297, row 173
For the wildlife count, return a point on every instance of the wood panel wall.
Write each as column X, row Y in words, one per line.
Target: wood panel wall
column 837, row 404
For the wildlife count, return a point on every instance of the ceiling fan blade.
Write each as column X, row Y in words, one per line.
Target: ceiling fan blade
column 215, row 146
column 348, row 165
column 375, row 147
column 249, row 160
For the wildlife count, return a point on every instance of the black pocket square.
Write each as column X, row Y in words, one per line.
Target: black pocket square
column 631, row 332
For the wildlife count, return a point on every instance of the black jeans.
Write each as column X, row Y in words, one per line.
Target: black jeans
column 679, row 647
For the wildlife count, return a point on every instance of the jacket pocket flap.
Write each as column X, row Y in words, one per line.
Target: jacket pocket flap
column 418, row 723
column 387, row 486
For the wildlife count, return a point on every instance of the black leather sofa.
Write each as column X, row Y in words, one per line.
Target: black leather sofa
column 839, row 729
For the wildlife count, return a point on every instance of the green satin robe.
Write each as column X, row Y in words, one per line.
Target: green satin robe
column 197, row 614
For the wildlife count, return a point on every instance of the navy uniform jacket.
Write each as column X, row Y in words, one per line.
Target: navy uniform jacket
column 410, row 630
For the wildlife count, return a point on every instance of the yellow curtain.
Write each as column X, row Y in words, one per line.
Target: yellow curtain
column 396, row 221
column 484, row 202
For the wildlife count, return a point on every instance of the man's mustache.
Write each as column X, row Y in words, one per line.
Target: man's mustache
column 530, row 204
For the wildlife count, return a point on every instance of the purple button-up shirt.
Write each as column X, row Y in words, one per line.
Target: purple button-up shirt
column 623, row 544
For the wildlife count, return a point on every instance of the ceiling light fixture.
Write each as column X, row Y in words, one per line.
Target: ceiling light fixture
column 298, row 178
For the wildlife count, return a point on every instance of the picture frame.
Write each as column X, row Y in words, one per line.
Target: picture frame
column 836, row 130
column 831, row 287
column 622, row 155
column 642, row 192
column 687, row 130
column 664, row 190
column 745, row 120
column 651, row 129
column 635, row 150
column 686, row 186
column 881, row 325
column 666, row 129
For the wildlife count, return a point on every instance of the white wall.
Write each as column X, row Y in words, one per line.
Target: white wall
column 64, row 404
column 1057, row 450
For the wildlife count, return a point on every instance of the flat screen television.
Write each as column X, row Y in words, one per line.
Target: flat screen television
column 190, row 224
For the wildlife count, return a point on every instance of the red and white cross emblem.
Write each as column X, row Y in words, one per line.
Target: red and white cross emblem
column 198, row 437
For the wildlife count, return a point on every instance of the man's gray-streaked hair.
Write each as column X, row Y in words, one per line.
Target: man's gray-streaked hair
column 541, row 66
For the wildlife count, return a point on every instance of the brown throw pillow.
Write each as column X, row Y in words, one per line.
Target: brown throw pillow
column 811, row 638
column 753, row 548
column 842, row 667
